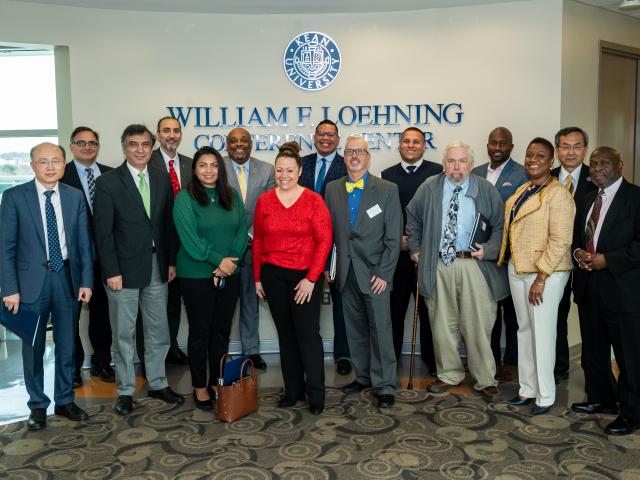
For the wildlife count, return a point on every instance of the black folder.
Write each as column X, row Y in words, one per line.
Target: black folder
column 481, row 232
column 24, row 323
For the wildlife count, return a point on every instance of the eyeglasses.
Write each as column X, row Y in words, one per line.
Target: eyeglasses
column 326, row 134
column 82, row 144
column 565, row 147
column 56, row 162
column 359, row 152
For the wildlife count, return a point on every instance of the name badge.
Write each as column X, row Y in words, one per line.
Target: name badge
column 373, row 211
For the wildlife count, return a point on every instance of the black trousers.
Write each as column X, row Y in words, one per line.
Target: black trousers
column 99, row 325
column 506, row 313
column 298, row 326
column 209, row 313
column 404, row 285
column 562, row 338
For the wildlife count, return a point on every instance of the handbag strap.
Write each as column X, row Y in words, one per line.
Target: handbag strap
column 223, row 360
column 252, row 374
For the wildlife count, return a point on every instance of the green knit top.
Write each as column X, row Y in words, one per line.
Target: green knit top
column 208, row 234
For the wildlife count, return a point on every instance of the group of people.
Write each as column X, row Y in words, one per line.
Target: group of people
column 214, row 232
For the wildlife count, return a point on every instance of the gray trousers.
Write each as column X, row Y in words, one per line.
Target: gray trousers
column 367, row 318
column 248, row 317
column 123, row 310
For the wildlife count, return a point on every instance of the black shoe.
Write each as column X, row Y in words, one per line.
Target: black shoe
column 77, row 380
column 385, row 400
column 177, row 357
column 343, row 367
column 37, row 419
column 560, row 377
column 591, row 408
column 258, row 362
column 316, row 409
column 106, row 374
column 202, row 404
column 71, row 411
column 166, row 395
column 354, row 387
column 286, row 402
column 124, row 405
column 621, row 426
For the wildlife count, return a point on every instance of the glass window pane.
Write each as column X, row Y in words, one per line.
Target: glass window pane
column 28, row 92
column 15, row 165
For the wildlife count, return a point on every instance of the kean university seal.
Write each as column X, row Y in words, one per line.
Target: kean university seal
column 312, row 61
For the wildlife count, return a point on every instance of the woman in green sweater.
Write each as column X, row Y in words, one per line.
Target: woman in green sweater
column 211, row 223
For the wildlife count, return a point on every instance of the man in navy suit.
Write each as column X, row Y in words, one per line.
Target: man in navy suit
column 318, row 169
column 47, row 267
column 506, row 175
column 82, row 173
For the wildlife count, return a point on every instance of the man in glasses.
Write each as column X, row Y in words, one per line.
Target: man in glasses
column 462, row 285
column 82, row 173
column 571, row 144
column 318, row 169
column 137, row 245
column 367, row 228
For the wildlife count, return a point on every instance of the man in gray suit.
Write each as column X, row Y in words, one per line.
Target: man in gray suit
column 506, row 175
column 367, row 228
column 178, row 166
column 251, row 178
column 461, row 286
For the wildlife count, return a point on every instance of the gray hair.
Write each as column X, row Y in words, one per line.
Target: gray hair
column 458, row 144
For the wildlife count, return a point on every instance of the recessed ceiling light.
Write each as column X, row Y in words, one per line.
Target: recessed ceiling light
column 629, row 5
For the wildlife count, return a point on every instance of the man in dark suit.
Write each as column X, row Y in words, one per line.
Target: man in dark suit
column 318, row 169
column 571, row 148
column 367, row 230
column 178, row 166
column 506, row 175
column 81, row 173
column 408, row 175
column 606, row 251
column 137, row 244
column 46, row 267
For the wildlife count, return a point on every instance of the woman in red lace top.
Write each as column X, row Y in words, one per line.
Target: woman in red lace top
column 291, row 242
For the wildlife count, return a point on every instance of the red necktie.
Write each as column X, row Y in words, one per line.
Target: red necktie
column 175, row 183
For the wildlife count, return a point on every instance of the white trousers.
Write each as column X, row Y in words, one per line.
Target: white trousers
column 537, row 334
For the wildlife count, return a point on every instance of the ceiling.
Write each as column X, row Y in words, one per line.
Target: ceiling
column 253, row 7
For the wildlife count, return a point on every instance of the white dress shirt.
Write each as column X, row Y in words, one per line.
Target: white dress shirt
column 575, row 175
column 607, row 198
column 176, row 164
column 494, row 175
column 57, row 207
column 405, row 165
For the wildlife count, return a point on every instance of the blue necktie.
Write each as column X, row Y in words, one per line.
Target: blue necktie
column 321, row 174
column 411, row 169
column 448, row 248
column 55, row 254
column 91, row 183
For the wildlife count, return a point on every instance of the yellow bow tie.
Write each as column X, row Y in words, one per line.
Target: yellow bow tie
column 351, row 185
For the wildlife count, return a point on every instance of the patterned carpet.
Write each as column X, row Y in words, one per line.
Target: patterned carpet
column 446, row 436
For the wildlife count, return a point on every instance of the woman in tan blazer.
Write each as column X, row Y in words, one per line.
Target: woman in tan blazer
column 536, row 243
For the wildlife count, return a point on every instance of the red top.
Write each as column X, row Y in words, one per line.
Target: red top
column 298, row 237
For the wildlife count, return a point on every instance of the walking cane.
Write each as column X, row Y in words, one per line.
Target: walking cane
column 413, row 336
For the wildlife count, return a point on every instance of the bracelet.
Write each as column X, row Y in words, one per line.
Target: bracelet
column 539, row 283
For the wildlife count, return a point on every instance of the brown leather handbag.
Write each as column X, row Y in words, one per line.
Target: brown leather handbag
column 240, row 398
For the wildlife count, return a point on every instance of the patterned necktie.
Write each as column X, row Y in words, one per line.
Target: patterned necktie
column 53, row 241
column 411, row 169
column 242, row 181
column 593, row 223
column 144, row 193
column 321, row 175
column 448, row 248
column 91, row 183
column 352, row 185
column 569, row 184
column 175, row 183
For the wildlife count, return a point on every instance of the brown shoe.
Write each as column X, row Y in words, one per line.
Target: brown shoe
column 508, row 373
column 490, row 394
column 439, row 386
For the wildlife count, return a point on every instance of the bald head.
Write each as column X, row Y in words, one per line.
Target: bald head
column 47, row 162
column 605, row 166
column 499, row 146
column 239, row 145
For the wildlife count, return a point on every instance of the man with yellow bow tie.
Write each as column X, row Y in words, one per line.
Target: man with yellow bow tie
column 367, row 248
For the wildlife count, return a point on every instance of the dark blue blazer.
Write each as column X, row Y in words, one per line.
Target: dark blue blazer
column 307, row 179
column 22, row 241
column 512, row 176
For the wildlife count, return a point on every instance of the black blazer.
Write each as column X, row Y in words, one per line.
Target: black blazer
column 584, row 187
column 72, row 179
column 619, row 241
column 307, row 179
column 125, row 235
column 185, row 162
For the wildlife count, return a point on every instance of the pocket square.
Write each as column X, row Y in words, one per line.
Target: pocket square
column 507, row 184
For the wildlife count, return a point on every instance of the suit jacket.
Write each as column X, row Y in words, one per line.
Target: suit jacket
column 424, row 228
column 373, row 245
column 619, row 241
column 125, row 235
column 512, row 176
column 157, row 161
column 72, row 179
column 540, row 234
column 584, row 187
column 261, row 179
column 23, row 243
column 307, row 179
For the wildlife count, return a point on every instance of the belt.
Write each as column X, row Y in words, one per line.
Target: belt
column 153, row 249
column 462, row 255
column 65, row 263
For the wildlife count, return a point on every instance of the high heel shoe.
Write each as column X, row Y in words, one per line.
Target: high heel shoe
column 519, row 401
column 202, row 404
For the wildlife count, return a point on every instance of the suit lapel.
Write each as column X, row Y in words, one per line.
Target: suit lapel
column 614, row 211
column 130, row 186
column 66, row 211
column 33, row 203
column 343, row 205
column 252, row 183
column 155, row 188
column 506, row 171
column 367, row 195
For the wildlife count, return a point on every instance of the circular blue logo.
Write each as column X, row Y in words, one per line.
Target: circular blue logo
column 312, row 61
